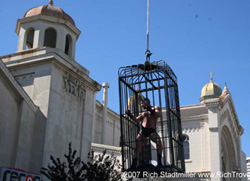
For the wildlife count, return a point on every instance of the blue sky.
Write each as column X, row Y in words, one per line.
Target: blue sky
column 195, row 37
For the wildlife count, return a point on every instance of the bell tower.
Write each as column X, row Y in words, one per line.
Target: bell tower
column 47, row 26
column 45, row 67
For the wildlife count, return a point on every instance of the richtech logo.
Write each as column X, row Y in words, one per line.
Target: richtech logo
column 7, row 174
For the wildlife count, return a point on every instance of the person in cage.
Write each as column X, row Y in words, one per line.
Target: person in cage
column 149, row 118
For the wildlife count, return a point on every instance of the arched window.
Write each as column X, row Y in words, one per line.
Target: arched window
column 30, row 38
column 186, row 146
column 68, row 45
column 50, row 38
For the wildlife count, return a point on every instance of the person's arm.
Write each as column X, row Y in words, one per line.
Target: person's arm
column 136, row 119
column 156, row 111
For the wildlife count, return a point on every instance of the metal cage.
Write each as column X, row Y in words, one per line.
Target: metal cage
column 157, row 82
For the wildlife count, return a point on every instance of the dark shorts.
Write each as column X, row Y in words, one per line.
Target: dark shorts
column 147, row 131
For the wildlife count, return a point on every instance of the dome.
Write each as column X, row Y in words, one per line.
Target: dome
column 210, row 90
column 132, row 99
column 49, row 10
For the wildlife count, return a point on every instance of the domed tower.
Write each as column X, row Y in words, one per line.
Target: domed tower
column 210, row 90
column 61, row 88
column 47, row 26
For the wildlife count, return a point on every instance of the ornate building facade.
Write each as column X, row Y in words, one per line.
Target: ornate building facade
column 212, row 137
column 47, row 100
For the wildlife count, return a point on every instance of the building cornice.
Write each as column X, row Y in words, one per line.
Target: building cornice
column 213, row 103
column 30, row 54
column 108, row 148
column 191, row 106
column 195, row 118
column 45, row 55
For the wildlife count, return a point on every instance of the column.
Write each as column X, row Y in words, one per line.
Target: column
column 105, row 86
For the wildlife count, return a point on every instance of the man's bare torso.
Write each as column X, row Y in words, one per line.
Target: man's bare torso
column 149, row 120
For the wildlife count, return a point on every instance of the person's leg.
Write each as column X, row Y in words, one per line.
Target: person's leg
column 159, row 150
column 159, row 145
column 139, row 142
column 156, row 138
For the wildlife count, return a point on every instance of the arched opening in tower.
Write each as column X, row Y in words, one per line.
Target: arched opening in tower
column 29, row 38
column 68, row 45
column 50, row 38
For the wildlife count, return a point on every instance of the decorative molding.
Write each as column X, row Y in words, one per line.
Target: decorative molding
column 212, row 103
column 234, row 114
column 188, row 130
column 110, row 149
column 98, row 118
column 74, row 86
column 25, row 79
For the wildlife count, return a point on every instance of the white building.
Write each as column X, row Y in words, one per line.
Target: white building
column 47, row 100
column 212, row 135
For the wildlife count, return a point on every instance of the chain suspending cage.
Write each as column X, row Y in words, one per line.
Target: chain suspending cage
column 157, row 82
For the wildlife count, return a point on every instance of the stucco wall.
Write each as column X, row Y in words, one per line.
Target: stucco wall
column 30, row 140
column 112, row 136
column 22, row 127
column 35, row 80
column 10, row 111
column 70, row 115
column 197, row 131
